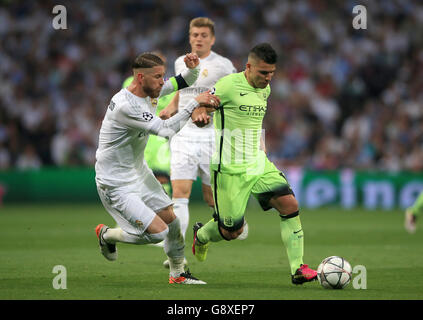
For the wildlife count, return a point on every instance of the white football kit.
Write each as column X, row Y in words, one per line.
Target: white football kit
column 192, row 148
column 126, row 185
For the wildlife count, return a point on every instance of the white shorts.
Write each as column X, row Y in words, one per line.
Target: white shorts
column 191, row 158
column 134, row 206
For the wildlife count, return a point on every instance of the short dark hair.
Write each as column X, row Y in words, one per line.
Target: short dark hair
column 147, row 60
column 265, row 52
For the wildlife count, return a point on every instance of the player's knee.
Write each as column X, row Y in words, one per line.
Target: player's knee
column 288, row 204
column 293, row 206
column 181, row 193
column 167, row 215
column 181, row 189
column 159, row 236
column 231, row 235
column 237, row 233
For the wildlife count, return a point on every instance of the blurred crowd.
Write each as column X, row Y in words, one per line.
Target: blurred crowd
column 340, row 97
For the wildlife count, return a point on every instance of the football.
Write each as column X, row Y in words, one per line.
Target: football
column 334, row 273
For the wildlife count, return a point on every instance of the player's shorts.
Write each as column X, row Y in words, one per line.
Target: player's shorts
column 231, row 193
column 134, row 206
column 190, row 158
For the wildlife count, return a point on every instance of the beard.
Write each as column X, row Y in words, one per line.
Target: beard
column 152, row 93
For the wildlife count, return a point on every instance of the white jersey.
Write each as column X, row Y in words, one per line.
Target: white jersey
column 124, row 134
column 120, row 153
column 212, row 68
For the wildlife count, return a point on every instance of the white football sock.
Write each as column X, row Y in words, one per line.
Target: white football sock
column 113, row 235
column 176, row 266
column 181, row 210
column 174, row 248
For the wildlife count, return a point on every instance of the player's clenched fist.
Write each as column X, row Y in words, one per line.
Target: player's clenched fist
column 191, row 60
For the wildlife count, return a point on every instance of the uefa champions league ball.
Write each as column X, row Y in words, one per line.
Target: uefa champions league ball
column 334, row 273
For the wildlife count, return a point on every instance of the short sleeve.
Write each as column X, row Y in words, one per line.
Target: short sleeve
column 222, row 88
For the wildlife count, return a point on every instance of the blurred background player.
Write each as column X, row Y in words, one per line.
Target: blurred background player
column 192, row 147
column 411, row 214
column 240, row 167
column 126, row 186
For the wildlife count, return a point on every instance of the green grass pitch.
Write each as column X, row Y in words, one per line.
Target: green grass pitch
column 35, row 238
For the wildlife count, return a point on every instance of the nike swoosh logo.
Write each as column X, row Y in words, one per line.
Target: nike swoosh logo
column 243, row 94
column 298, row 231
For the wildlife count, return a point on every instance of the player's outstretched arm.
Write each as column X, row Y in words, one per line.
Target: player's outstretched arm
column 167, row 128
column 138, row 119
